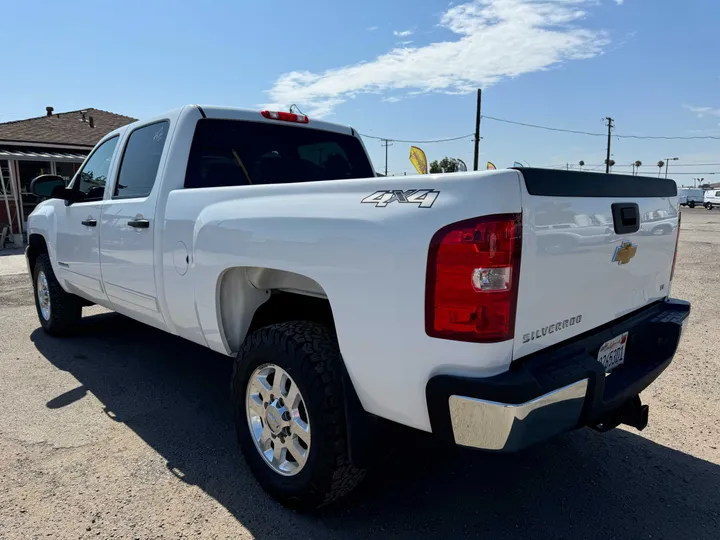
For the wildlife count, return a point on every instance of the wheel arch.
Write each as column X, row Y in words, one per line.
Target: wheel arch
column 250, row 298
column 37, row 245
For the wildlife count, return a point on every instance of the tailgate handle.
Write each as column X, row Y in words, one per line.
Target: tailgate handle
column 626, row 217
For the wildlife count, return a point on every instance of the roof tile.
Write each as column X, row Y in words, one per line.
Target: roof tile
column 64, row 128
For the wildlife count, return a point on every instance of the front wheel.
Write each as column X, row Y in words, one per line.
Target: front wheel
column 289, row 416
column 59, row 312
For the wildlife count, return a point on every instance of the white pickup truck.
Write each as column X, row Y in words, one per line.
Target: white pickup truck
column 350, row 300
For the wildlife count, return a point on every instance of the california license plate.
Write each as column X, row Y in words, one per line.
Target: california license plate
column 612, row 353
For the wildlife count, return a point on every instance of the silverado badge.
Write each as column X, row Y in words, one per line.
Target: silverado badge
column 624, row 252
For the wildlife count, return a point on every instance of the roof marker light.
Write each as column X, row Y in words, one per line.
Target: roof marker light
column 286, row 116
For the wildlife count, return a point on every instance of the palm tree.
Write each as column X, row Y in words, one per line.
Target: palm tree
column 637, row 164
column 660, row 165
column 582, row 164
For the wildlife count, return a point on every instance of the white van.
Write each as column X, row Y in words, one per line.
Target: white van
column 690, row 197
column 712, row 198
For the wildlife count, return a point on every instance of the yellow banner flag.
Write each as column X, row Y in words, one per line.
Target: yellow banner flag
column 418, row 159
column 491, row 166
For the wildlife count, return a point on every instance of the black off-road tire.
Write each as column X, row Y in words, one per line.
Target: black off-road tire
column 65, row 308
column 691, row 204
column 309, row 353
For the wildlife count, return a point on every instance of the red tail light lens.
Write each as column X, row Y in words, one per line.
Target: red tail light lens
column 472, row 279
column 286, row 116
column 677, row 241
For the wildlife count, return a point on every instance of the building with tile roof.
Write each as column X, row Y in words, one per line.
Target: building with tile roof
column 55, row 143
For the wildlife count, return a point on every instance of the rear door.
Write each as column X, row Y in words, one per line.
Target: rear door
column 127, row 225
column 595, row 247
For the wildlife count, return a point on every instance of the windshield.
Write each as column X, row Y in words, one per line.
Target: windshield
column 235, row 152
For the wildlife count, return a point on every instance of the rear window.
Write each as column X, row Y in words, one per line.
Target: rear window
column 236, row 153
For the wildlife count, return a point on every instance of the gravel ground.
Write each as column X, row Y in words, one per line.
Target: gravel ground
column 126, row 432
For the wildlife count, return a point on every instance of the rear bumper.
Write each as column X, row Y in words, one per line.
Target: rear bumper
column 558, row 389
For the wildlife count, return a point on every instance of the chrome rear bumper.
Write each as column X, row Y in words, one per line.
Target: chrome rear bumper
column 501, row 426
column 558, row 389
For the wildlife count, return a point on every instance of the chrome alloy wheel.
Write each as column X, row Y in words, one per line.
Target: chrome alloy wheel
column 278, row 419
column 43, row 295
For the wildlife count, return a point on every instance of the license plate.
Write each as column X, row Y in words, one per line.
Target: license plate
column 612, row 353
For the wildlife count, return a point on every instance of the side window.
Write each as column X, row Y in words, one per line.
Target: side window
column 140, row 162
column 717, row 193
column 92, row 177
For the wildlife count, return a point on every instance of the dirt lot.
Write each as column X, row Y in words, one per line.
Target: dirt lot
column 126, row 432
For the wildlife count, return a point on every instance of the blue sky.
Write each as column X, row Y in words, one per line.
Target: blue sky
column 398, row 69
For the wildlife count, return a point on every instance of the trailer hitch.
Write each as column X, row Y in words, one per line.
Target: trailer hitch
column 632, row 413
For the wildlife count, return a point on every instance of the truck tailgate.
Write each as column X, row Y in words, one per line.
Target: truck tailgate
column 595, row 247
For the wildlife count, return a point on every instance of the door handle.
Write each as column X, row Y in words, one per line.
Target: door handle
column 139, row 223
column 89, row 222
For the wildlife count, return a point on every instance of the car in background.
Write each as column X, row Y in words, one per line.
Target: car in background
column 691, row 197
column 711, row 199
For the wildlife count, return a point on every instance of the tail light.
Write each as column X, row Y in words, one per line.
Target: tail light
column 472, row 279
column 285, row 116
column 677, row 241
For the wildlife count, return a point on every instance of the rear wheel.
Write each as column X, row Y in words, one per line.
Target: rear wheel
column 59, row 312
column 289, row 415
column 709, row 206
column 691, row 204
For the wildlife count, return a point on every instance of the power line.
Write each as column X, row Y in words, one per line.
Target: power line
column 578, row 132
column 418, row 142
column 548, row 128
column 544, row 127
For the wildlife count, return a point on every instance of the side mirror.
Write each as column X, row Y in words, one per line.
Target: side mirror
column 45, row 184
column 50, row 186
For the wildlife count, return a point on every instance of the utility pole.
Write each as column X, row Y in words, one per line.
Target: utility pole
column 477, row 130
column 610, row 126
column 386, row 143
column 667, row 164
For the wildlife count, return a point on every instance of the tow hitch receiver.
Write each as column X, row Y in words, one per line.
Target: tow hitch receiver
column 633, row 413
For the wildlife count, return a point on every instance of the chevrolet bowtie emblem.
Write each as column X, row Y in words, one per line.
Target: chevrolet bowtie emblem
column 624, row 252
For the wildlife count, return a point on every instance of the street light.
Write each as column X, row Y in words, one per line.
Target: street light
column 667, row 163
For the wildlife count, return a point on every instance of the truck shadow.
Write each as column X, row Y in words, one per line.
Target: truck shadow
column 175, row 396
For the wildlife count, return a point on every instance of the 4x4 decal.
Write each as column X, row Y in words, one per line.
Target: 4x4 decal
column 424, row 198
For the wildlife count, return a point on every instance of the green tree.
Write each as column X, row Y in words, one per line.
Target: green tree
column 445, row 165
column 637, row 166
column 660, row 165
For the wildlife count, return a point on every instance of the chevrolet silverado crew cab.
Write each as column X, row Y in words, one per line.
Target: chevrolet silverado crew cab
column 349, row 300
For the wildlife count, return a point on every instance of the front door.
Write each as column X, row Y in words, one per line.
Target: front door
column 78, row 239
column 127, row 226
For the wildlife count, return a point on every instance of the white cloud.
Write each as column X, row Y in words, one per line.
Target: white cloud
column 371, row 28
column 703, row 111
column 403, row 33
column 619, row 2
column 391, row 99
column 404, row 42
column 494, row 40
